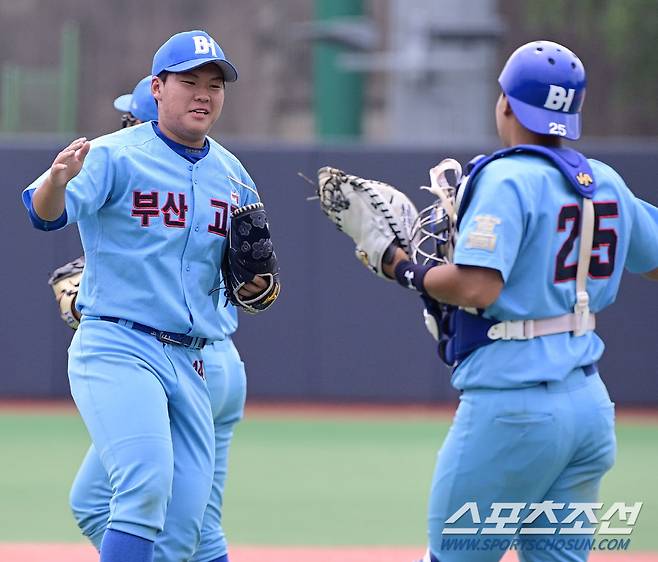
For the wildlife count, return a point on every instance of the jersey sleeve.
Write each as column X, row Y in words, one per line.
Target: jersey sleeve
column 36, row 220
column 491, row 229
column 85, row 193
column 643, row 246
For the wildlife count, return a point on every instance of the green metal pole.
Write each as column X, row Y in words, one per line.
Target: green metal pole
column 11, row 98
column 337, row 94
column 68, row 78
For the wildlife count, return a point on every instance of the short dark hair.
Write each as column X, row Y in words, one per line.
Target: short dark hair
column 163, row 75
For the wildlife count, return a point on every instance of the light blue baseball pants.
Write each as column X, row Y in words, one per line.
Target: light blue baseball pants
column 148, row 414
column 553, row 441
column 91, row 491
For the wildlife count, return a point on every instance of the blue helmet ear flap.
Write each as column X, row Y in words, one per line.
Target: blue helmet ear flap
column 545, row 84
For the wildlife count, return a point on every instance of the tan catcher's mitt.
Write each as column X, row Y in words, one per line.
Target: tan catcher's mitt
column 372, row 213
column 65, row 282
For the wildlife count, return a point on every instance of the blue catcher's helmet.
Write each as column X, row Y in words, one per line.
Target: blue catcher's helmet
column 140, row 103
column 545, row 84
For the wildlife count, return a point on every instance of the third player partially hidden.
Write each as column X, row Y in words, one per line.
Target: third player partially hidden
column 542, row 236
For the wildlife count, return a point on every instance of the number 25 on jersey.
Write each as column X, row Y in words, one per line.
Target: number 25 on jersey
column 604, row 245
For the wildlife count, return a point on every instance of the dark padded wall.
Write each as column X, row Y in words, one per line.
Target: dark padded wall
column 336, row 333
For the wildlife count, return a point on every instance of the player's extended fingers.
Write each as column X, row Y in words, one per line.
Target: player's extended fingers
column 76, row 143
column 65, row 155
column 71, row 149
column 81, row 153
column 73, row 146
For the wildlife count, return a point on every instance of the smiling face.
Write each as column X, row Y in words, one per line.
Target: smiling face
column 189, row 103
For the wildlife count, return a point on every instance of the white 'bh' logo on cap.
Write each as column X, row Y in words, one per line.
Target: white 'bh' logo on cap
column 559, row 99
column 202, row 46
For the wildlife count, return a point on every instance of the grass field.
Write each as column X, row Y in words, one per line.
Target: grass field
column 295, row 480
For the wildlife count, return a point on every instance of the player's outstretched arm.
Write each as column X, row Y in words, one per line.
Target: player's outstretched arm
column 466, row 286
column 49, row 198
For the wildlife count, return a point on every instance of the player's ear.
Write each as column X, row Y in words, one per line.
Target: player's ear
column 156, row 88
column 507, row 108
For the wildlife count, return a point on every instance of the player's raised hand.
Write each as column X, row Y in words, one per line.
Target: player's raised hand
column 68, row 162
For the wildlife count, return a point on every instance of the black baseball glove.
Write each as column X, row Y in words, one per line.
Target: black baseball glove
column 250, row 253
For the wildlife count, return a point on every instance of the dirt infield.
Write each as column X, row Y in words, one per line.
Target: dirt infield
column 84, row 553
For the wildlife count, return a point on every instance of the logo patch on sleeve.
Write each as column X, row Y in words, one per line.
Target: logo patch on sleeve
column 483, row 236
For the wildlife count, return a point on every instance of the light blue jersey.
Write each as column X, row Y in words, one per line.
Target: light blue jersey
column 134, row 197
column 517, row 201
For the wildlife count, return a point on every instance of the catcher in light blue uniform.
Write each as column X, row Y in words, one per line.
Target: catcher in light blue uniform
column 91, row 492
column 543, row 236
column 153, row 205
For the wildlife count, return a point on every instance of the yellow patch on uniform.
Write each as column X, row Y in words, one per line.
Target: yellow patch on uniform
column 483, row 236
column 584, row 178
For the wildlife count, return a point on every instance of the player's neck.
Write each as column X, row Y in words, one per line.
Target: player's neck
column 186, row 141
column 521, row 135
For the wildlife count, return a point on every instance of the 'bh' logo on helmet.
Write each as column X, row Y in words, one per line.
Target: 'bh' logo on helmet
column 559, row 99
column 202, row 46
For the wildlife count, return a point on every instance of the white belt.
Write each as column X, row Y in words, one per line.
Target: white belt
column 528, row 329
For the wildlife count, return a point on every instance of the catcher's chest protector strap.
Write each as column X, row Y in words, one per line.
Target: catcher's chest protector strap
column 464, row 332
column 573, row 165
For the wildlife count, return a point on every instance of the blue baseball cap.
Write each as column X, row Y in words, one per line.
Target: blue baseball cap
column 140, row 103
column 188, row 50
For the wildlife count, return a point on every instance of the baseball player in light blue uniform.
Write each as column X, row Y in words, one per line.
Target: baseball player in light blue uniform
column 544, row 235
column 225, row 376
column 152, row 205
column 138, row 106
